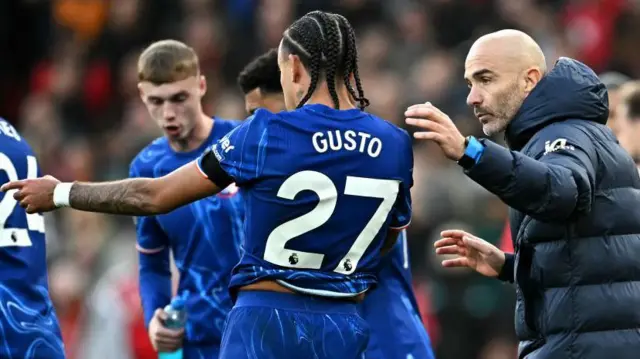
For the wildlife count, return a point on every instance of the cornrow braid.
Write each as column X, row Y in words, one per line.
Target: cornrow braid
column 351, row 60
column 326, row 46
column 300, row 39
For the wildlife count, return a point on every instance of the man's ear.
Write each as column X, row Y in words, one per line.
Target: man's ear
column 297, row 68
column 532, row 77
column 141, row 91
column 202, row 85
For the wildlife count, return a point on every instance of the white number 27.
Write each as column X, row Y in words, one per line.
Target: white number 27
column 275, row 251
column 17, row 237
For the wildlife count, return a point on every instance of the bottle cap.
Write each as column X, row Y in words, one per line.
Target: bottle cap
column 178, row 303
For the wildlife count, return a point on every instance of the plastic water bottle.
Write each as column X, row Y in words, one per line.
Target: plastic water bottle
column 176, row 319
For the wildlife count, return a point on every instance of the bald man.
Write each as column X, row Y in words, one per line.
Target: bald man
column 574, row 195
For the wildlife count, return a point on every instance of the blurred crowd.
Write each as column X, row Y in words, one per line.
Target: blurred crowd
column 69, row 83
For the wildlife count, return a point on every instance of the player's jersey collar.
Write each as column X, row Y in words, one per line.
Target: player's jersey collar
column 332, row 112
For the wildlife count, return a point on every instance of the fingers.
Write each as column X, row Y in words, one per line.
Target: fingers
column 168, row 339
column 168, row 336
column 455, row 263
column 455, row 233
column 18, row 195
column 431, row 136
column 425, row 124
column 460, row 237
column 164, row 332
column 163, row 345
column 478, row 244
column 455, row 249
column 12, row 185
column 426, row 107
column 22, row 200
column 447, row 241
column 164, row 339
column 160, row 314
column 426, row 110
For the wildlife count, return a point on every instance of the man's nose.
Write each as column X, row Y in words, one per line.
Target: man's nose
column 474, row 98
column 168, row 111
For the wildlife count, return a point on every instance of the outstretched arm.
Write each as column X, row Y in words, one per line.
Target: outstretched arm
column 143, row 196
column 136, row 196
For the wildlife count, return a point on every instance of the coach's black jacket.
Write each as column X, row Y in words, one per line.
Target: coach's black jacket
column 575, row 221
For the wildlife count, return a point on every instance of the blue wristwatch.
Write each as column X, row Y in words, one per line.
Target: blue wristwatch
column 472, row 152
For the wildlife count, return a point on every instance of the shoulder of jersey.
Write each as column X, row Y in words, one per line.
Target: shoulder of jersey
column 286, row 113
column 403, row 134
column 394, row 130
column 263, row 116
column 8, row 124
column 7, row 129
column 227, row 124
column 149, row 155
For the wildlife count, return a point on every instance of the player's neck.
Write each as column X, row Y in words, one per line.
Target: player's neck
column 196, row 138
column 321, row 96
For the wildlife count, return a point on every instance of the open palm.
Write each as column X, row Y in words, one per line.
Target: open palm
column 471, row 252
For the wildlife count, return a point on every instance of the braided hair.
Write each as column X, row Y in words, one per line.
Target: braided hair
column 326, row 45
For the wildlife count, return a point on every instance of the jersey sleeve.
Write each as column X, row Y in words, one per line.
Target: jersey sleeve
column 240, row 154
column 401, row 212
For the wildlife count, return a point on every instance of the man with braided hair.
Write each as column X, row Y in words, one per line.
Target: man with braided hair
column 392, row 304
column 327, row 189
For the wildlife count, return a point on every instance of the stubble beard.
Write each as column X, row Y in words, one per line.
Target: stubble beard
column 508, row 104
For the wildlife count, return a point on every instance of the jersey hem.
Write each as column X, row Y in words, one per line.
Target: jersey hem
column 400, row 228
column 319, row 292
column 150, row 251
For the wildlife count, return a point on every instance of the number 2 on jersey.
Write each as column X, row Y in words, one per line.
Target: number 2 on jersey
column 275, row 251
column 17, row 237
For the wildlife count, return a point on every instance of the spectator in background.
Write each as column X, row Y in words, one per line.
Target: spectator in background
column 574, row 194
column 613, row 81
column 628, row 119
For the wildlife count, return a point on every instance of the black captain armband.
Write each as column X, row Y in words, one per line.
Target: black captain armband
column 211, row 168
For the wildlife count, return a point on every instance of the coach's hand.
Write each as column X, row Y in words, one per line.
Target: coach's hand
column 472, row 252
column 34, row 195
column 440, row 129
column 164, row 339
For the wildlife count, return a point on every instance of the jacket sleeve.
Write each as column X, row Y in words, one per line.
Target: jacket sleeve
column 554, row 184
column 507, row 273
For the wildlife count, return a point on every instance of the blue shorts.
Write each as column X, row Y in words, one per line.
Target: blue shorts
column 26, row 333
column 193, row 351
column 270, row 325
column 396, row 329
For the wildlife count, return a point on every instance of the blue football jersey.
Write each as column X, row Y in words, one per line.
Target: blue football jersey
column 322, row 188
column 396, row 271
column 204, row 237
column 28, row 324
column 393, row 305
